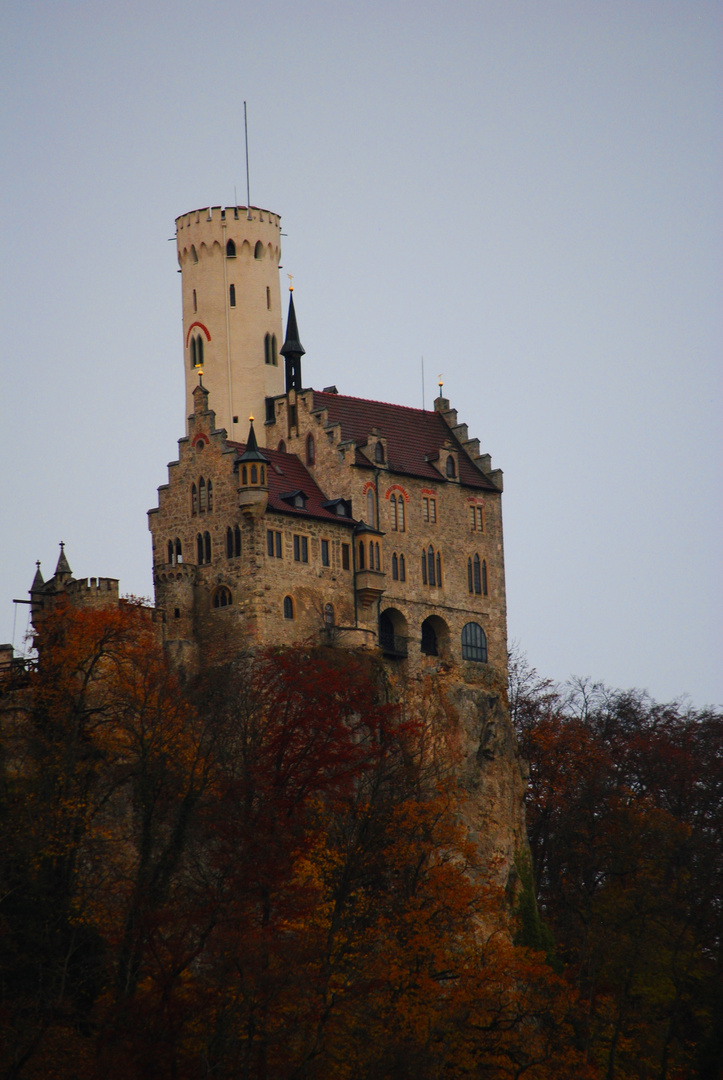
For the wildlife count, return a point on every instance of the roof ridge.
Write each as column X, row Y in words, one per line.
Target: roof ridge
column 372, row 401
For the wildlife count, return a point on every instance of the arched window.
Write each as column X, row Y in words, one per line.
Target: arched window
column 379, row 453
column 207, row 546
column 431, row 577
column 309, row 449
column 195, row 302
column 470, row 585
column 244, row 476
column 281, row 447
column 199, row 550
column 179, row 551
column 395, row 567
column 193, row 352
column 288, row 607
column 170, row 551
column 202, row 496
column 377, row 558
column 267, row 348
column 209, row 494
column 329, row 614
column 424, row 568
column 402, row 569
column 222, row 597
column 393, row 502
column 236, row 541
column 259, row 250
column 194, row 253
column 474, row 643
column 254, row 474
column 229, row 542
column 361, row 554
column 371, row 516
column 451, row 467
column 401, row 524
column 232, row 295
column 439, row 570
column 194, row 500
column 268, row 298
column 484, row 577
column 262, row 474
column 199, row 352
column 230, row 250
column 477, row 576
column 274, row 355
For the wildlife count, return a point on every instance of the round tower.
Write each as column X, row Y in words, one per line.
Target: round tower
column 229, row 260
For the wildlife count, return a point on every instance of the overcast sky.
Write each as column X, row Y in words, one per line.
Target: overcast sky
column 528, row 195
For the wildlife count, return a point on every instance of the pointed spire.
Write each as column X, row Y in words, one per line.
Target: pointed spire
column 252, row 452
column 292, row 350
column 38, row 583
column 63, row 566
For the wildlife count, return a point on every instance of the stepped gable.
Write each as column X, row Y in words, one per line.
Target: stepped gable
column 287, row 474
column 412, row 436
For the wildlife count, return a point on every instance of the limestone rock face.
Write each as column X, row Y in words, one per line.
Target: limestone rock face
column 466, row 715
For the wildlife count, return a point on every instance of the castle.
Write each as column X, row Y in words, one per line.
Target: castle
column 294, row 515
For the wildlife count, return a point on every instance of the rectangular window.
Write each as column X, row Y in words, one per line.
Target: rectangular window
column 345, row 556
column 325, row 553
column 429, row 510
column 477, row 518
column 273, row 544
column 301, row 548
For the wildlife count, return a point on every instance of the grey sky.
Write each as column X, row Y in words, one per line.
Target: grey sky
column 526, row 194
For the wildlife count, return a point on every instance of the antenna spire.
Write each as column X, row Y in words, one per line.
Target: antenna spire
column 248, row 186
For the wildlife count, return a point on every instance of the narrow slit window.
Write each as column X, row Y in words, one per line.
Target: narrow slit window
column 232, row 295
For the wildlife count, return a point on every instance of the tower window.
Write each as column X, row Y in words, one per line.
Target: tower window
column 361, row 554
column 229, row 542
column 379, row 453
column 232, row 295
column 395, row 567
column 474, row 643
column 288, row 607
column 270, row 354
column 451, row 468
column 222, row 597
column 230, row 250
column 274, row 355
column 402, row 569
column 202, row 495
column 209, row 494
column 325, row 553
column 178, row 551
column 309, row 449
column 281, row 447
column 259, row 250
column 195, row 302
column 431, row 567
column 194, row 500
column 484, row 577
column 194, row 254
column 268, row 298
column 477, row 518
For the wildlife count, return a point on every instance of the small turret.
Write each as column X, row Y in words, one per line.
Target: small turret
column 63, row 572
column 253, row 477
column 292, row 350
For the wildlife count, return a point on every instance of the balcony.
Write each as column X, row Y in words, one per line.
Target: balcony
column 369, row 585
column 393, row 645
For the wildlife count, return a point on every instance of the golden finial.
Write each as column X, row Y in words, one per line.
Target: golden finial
column 251, row 419
column 291, row 282
column 440, row 384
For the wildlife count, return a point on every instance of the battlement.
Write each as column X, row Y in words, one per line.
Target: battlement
column 90, row 588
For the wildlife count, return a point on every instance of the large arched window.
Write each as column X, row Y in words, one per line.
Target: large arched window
column 431, row 576
column 474, row 643
column 310, row 451
column 230, row 250
column 424, row 568
column 401, row 524
column 484, row 577
column 430, row 645
column 288, row 607
column 209, row 495
column 402, row 569
column 395, row 567
column 194, row 500
column 202, row 504
column 222, row 597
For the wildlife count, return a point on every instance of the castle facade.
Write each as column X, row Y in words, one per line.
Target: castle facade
column 329, row 518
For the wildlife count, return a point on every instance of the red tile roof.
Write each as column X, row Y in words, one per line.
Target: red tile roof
column 286, row 474
column 412, row 436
